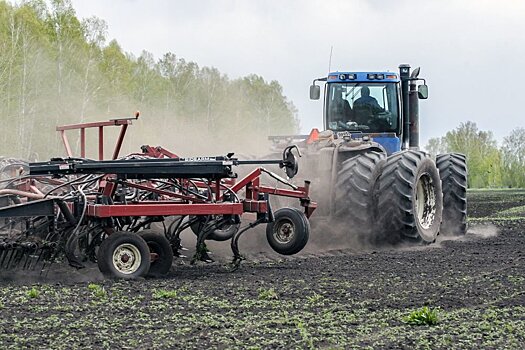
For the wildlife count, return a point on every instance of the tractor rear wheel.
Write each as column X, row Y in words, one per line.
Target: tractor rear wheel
column 124, row 255
column 289, row 232
column 453, row 173
column 159, row 245
column 355, row 204
column 410, row 200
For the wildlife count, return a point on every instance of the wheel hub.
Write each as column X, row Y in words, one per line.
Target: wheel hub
column 425, row 201
column 285, row 231
column 126, row 258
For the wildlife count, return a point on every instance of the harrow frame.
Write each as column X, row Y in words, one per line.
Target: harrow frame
column 78, row 202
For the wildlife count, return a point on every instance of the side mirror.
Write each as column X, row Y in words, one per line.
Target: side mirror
column 422, row 92
column 315, row 92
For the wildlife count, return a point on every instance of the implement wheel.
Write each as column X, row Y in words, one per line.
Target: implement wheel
column 124, row 255
column 289, row 232
column 222, row 233
column 453, row 173
column 410, row 200
column 160, row 248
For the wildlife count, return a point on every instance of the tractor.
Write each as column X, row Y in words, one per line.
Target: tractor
column 368, row 169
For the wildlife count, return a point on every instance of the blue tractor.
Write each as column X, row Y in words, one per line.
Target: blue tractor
column 367, row 167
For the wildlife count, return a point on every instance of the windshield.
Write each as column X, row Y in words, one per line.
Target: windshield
column 364, row 107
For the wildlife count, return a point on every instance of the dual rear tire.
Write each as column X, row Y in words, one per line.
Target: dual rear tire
column 410, row 198
column 399, row 198
column 453, row 172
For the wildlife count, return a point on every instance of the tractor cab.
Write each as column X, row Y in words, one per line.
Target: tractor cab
column 364, row 104
column 367, row 105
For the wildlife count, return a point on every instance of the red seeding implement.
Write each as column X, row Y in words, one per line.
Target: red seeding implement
column 105, row 211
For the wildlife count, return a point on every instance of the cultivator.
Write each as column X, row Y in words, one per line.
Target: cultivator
column 127, row 214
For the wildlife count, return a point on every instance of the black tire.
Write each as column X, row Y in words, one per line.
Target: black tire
column 286, row 220
column 158, row 244
column 126, row 244
column 223, row 233
column 355, row 203
column 453, row 173
column 410, row 200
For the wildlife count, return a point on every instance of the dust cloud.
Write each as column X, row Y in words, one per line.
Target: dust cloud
column 484, row 230
column 59, row 272
column 328, row 234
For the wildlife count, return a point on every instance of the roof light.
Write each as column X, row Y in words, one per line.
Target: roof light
column 391, row 76
column 351, row 76
column 342, row 77
column 332, row 77
column 380, row 76
column 371, row 76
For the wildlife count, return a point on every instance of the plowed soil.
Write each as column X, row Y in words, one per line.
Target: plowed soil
column 340, row 298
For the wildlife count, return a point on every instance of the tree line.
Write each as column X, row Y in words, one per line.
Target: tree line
column 488, row 164
column 57, row 69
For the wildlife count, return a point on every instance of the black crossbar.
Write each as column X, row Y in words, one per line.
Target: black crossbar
column 40, row 207
column 137, row 168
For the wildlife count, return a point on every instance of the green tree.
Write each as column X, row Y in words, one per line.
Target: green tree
column 56, row 69
column 483, row 156
column 513, row 158
column 436, row 145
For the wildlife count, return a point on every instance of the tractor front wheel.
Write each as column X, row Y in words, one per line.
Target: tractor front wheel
column 355, row 203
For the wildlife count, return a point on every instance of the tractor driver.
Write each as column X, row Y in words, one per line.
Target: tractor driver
column 365, row 107
column 366, row 99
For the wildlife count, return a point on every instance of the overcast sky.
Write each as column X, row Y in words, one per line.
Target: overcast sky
column 470, row 51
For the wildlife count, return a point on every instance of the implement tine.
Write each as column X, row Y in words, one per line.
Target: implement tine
column 2, row 256
column 37, row 260
column 28, row 260
column 42, row 258
column 49, row 262
column 14, row 252
column 7, row 256
column 7, row 249
column 48, row 268
column 19, row 257
column 43, row 267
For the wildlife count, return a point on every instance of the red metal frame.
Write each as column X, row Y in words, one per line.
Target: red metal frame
column 157, row 152
column 163, row 209
column 173, row 203
column 122, row 122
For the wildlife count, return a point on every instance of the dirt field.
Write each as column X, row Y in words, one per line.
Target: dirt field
column 335, row 299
